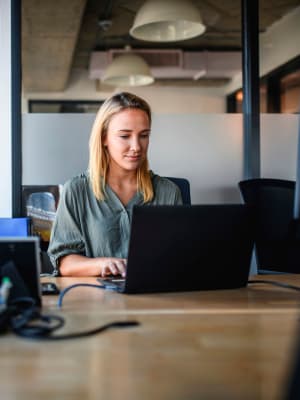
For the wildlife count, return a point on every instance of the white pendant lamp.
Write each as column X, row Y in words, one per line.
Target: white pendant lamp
column 167, row 21
column 128, row 70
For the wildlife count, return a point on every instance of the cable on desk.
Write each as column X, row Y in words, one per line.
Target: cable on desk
column 24, row 318
column 65, row 290
column 275, row 283
column 29, row 334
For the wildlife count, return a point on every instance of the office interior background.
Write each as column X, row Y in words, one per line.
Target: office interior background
column 66, row 47
column 196, row 97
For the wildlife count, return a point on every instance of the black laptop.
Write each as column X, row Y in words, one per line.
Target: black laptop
column 185, row 248
column 20, row 261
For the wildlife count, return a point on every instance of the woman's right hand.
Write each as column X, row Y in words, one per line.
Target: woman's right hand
column 112, row 266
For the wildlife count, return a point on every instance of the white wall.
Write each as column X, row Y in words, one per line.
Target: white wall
column 5, row 110
column 183, row 100
column 206, row 149
column 279, row 44
column 163, row 99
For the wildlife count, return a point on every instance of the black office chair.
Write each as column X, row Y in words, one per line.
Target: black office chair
column 276, row 243
column 184, row 186
column 293, row 384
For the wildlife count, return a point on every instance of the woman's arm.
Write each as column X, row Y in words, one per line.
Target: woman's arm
column 78, row 265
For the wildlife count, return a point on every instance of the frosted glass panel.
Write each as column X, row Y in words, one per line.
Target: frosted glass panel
column 279, row 146
column 204, row 148
column 55, row 147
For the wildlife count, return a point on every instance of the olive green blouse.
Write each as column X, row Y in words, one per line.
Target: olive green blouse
column 87, row 226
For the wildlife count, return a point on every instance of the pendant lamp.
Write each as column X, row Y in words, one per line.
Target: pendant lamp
column 128, row 70
column 167, row 21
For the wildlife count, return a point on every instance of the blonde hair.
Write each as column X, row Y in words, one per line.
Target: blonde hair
column 99, row 158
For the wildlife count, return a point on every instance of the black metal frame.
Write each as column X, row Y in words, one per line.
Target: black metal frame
column 16, row 107
column 250, row 57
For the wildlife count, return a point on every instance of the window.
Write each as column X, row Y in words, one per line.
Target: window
column 290, row 92
column 279, row 91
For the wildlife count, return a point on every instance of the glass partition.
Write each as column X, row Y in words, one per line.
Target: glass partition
column 207, row 149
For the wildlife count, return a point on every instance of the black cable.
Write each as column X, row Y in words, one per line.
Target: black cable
column 25, row 324
column 31, row 324
column 24, row 318
column 275, row 283
column 31, row 334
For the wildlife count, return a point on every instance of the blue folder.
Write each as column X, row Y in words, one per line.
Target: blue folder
column 14, row 227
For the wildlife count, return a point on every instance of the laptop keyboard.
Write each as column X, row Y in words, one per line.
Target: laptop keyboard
column 113, row 283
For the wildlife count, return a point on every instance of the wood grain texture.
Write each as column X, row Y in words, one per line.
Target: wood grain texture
column 234, row 344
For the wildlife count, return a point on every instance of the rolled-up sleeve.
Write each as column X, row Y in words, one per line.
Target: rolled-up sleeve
column 66, row 236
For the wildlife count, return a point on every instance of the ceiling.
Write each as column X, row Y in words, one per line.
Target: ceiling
column 59, row 36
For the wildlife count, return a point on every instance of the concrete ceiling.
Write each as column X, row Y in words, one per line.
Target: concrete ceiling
column 59, row 35
column 50, row 31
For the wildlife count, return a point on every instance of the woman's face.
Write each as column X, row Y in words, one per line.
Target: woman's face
column 127, row 139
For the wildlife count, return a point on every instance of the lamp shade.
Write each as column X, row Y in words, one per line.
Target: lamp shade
column 128, row 70
column 167, row 21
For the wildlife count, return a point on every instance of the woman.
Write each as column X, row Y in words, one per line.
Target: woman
column 91, row 231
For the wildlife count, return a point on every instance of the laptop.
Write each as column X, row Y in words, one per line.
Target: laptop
column 20, row 261
column 185, row 248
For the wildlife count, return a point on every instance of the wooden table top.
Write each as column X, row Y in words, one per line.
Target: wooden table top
column 233, row 344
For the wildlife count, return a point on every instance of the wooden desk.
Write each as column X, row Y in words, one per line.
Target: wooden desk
column 234, row 344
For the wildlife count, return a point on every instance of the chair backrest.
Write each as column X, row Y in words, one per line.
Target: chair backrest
column 293, row 384
column 184, row 186
column 273, row 201
column 12, row 227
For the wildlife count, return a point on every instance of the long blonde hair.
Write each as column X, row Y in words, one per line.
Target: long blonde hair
column 99, row 158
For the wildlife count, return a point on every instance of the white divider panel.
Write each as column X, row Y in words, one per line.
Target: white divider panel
column 55, row 147
column 204, row 148
column 279, row 146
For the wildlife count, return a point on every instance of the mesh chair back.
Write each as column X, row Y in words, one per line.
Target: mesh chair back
column 184, row 186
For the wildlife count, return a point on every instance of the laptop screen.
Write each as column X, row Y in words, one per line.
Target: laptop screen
column 199, row 247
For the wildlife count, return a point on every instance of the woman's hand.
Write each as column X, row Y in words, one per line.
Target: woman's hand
column 112, row 266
